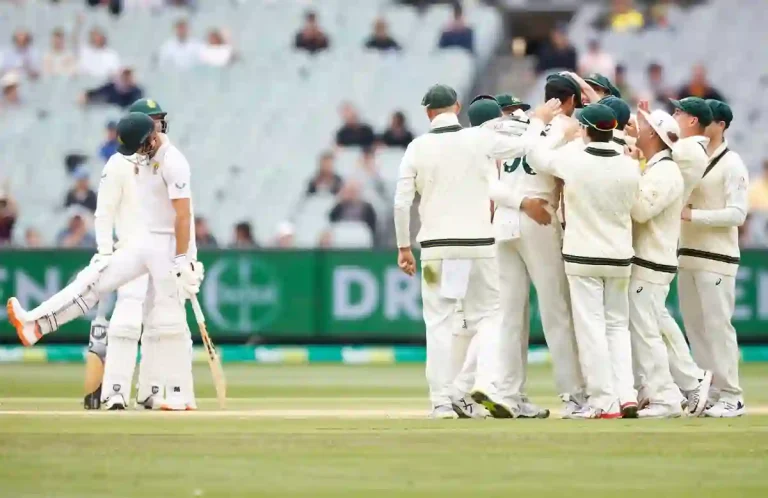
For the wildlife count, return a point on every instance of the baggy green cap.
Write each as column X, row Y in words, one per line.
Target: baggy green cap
column 147, row 106
column 509, row 100
column 565, row 82
column 133, row 130
column 696, row 107
column 620, row 109
column 598, row 116
column 597, row 79
column 483, row 110
column 439, row 96
column 720, row 111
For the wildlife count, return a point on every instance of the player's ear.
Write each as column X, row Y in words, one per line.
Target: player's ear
column 458, row 107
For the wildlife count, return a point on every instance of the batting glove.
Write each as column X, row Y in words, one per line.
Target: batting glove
column 189, row 275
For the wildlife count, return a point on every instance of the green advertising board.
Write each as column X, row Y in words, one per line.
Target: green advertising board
column 313, row 295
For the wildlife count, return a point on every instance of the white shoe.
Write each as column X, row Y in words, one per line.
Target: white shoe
column 465, row 407
column 697, row 398
column 173, row 402
column 115, row 402
column 152, row 402
column 443, row 412
column 28, row 331
column 655, row 410
column 531, row 410
column 573, row 404
column 590, row 412
column 726, row 409
column 498, row 408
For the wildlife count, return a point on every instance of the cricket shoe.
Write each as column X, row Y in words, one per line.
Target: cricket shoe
column 726, row 409
column 697, row 397
column 655, row 410
column 175, row 402
column 115, row 402
column 530, row 410
column 498, row 408
column 629, row 410
column 28, row 331
column 573, row 404
column 465, row 407
column 443, row 412
column 590, row 412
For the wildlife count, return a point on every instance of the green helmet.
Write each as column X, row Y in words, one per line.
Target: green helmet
column 133, row 131
column 151, row 108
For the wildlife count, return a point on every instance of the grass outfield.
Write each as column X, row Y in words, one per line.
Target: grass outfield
column 347, row 431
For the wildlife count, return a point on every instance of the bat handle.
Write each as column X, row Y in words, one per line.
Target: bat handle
column 197, row 310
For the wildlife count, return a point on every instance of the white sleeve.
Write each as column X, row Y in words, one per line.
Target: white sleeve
column 177, row 175
column 505, row 195
column 736, row 181
column 543, row 159
column 499, row 146
column 659, row 188
column 107, row 201
column 404, row 193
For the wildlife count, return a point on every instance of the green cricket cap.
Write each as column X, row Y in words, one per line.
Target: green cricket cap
column 619, row 108
column 147, row 106
column 564, row 82
column 483, row 110
column 696, row 107
column 439, row 96
column 598, row 116
column 720, row 111
column 133, row 130
column 597, row 79
column 509, row 100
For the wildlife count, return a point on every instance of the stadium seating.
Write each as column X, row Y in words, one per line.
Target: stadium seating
column 252, row 132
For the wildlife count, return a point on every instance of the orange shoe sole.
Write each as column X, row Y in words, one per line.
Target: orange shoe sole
column 610, row 415
column 16, row 324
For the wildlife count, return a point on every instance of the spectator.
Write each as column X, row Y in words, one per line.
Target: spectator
column 10, row 87
column 217, row 51
column 325, row 241
column 21, row 57
column 109, row 147
column 398, row 134
column 180, row 52
column 96, row 58
column 243, row 237
column 32, row 238
column 368, row 177
column 353, row 132
column 380, row 39
column 558, row 54
column 326, row 179
column 457, row 33
column 699, row 86
column 8, row 214
column 658, row 92
column 76, row 233
column 81, row 193
column 311, row 38
column 351, row 207
column 622, row 85
column 758, row 191
column 286, row 238
column 203, row 237
column 596, row 60
column 662, row 12
column 122, row 92
column 624, row 17
column 115, row 7
column 59, row 61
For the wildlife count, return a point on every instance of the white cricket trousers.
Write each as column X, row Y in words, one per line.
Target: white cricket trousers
column 601, row 318
column 685, row 372
column 481, row 312
column 535, row 256
column 707, row 302
column 646, row 302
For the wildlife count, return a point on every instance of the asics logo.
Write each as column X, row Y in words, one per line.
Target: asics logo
column 718, row 281
column 180, row 185
column 639, row 289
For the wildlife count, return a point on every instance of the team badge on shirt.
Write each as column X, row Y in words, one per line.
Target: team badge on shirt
column 155, row 167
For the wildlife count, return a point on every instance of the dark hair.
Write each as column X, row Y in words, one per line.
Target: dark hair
column 398, row 115
column 310, row 15
column 654, row 66
column 245, row 228
column 557, row 91
column 596, row 135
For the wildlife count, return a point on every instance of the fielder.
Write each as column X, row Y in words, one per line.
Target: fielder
column 656, row 230
column 602, row 86
column 600, row 187
column 709, row 261
column 451, row 169
column 159, row 250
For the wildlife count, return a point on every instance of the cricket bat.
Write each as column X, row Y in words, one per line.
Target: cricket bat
column 214, row 362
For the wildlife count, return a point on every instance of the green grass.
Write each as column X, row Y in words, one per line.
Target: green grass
column 127, row 455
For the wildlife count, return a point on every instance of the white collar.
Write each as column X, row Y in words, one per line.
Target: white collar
column 720, row 149
column 444, row 120
column 658, row 157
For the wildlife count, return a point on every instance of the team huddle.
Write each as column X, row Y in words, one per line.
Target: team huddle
column 145, row 199
column 599, row 208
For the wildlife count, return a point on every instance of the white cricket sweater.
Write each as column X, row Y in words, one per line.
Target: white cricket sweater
column 601, row 184
column 117, row 205
column 710, row 241
column 451, row 168
column 656, row 216
column 691, row 157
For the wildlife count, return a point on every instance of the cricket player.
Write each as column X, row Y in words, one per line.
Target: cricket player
column 623, row 114
column 451, row 168
column 509, row 104
column 601, row 183
column 656, row 230
column 602, row 85
column 709, row 261
column 529, row 243
column 693, row 115
column 160, row 250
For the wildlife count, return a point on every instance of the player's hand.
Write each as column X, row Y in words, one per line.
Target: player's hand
column 631, row 128
column 536, row 209
column 189, row 275
column 406, row 261
column 633, row 152
column 686, row 214
column 100, row 261
column 548, row 110
column 644, row 106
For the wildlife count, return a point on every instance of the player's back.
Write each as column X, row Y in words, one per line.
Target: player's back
column 118, row 187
